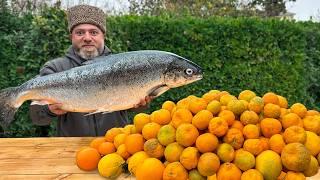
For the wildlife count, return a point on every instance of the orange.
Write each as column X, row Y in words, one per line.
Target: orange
column 253, row 146
column 244, row 160
column 95, row 143
column 311, row 123
column 264, row 142
column 87, row 158
column 119, row 139
column 228, row 116
column 277, row 143
column 151, row 168
column 140, row 120
column 135, row 160
column 111, row 133
column 172, row 112
column 166, row 134
column 270, row 97
column 282, row 175
column 207, row 142
column 122, row 151
column 106, row 148
column 294, row 176
column 189, row 157
column 268, row 163
column 270, row 126
column 290, row 119
column 226, row 98
column 225, row 152
column 312, row 168
column 295, row 157
column 201, row 119
column 153, row 148
column 197, row 104
column 312, row 112
column 183, row 103
column 211, row 95
column 187, row 134
column 161, row 116
column 223, row 108
column 251, row 131
column 181, row 116
column 283, row 103
column 218, row 126
column 228, row 171
column 271, row 111
column 175, row 171
column 299, row 109
column 129, row 129
column 246, row 95
column 246, row 103
column 234, row 137
column 283, row 112
column 110, row 166
column 237, row 125
column 256, row 104
column 312, row 143
column 295, row 134
column 134, row 143
column 173, row 151
column 195, row 175
column 221, row 93
column 249, row 117
column 150, row 130
column 208, row 164
column 168, row 105
column 236, row 106
column 214, row 107
column 251, row 174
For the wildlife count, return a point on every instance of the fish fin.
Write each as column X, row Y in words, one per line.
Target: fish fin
column 106, row 112
column 95, row 112
column 7, row 107
column 158, row 90
column 42, row 102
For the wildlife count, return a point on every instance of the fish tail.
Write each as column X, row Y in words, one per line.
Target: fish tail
column 7, row 108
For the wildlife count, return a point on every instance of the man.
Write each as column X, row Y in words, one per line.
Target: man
column 87, row 29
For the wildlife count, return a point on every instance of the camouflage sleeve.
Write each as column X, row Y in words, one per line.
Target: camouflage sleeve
column 41, row 115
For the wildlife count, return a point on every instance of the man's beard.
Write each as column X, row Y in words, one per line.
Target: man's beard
column 88, row 54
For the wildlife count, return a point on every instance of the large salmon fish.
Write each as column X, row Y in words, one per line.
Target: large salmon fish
column 105, row 84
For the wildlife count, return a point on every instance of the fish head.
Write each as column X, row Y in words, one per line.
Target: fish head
column 181, row 71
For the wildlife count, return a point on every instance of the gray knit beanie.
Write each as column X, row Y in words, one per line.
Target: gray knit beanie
column 86, row 14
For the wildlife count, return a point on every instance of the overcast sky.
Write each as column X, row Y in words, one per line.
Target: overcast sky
column 304, row 9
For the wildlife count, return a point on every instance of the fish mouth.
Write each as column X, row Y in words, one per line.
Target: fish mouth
column 197, row 77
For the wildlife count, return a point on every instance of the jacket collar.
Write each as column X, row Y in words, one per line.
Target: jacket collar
column 71, row 54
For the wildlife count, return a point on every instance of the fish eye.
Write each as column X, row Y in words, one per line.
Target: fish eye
column 189, row 71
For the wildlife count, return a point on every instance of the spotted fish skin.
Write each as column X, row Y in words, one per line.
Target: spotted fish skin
column 105, row 84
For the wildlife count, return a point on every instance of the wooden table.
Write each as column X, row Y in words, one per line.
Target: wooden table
column 43, row 158
column 47, row 158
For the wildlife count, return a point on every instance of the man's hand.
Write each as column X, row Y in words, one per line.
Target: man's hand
column 56, row 109
column 144, row 102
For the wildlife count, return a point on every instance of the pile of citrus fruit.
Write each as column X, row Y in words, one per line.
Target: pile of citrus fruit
column 216, row 136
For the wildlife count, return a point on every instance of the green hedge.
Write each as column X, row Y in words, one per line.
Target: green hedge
column 236, row 53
